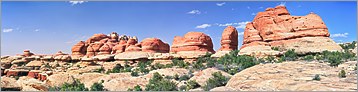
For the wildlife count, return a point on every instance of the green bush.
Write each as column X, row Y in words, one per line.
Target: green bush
column 97, row 87
column 134, row 73
column 184, row 77
column 342, row 74
column 316, row 77
column 158, row 83
column 136, row 88
column 100, row 70
column 234, row 63
column 120, row 69
column 179, row 63
column 270, row 59
column 275, row 48
column 217, row 80
column 76, row 86
column 290, row 55
column 309, row 58
column 192, row 84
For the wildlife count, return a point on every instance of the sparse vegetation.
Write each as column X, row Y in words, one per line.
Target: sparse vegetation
column 158, row 83
column 136, row 88
column 217, row 80
column 192, row 84
column 275, row 48
column 316, row 77
column 309, row 58
column 76, row 86
column 342, row 74
column 290, row 55
column 97, row 87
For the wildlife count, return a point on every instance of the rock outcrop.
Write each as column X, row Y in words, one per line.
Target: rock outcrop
column 101, row 45
column 275, row 27
column 294, row 76
column 154, row 45
column 229, row 41
column 192, row 45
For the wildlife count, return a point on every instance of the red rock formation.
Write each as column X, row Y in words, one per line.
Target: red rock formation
column 27, row 53
column 192, row 41
column 229, row 39
column 79, row 49
column 276, row 27
column 105, row 50
column 120, row 47
column 154, row 45
column 96, row 37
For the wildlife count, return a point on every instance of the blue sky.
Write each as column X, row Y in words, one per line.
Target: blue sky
column 48, row 27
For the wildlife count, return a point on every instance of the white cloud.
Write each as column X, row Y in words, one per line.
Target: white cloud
column 282, row 4
column 253, row 14
column 77, row 2
column 7, row 30
column 37, row 30
column 203, row 26
column 194, row 12
column 220, row 4
column 239, row 25
column 242, row 25
column 339, row 35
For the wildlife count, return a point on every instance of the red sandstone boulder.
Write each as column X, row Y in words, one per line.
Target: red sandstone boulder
column 133, row 48
column 79, row 49
column 192, row 41
column 120, row 47
column 90, row 51
column 154, row 45
column 105, row 50
column 96, row 37
column 229, row 39
column 131, row 42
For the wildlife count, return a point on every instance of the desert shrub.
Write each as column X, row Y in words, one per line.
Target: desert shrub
column 275, row 48
column 158, row 83
column 120, row 69
column 184, row 77
column 76, row 86
column 217, row 80
column 342, row 74
column 316, row 77
column 290, row 55
column 319, row 57
column 176, row 77
column 179, row 63
column 97, row 87
column 233, row 63
column 192, row 84
column 309, row 58
column 100, row 70
column 134, row 73
column 136, row 88
column 270, row 59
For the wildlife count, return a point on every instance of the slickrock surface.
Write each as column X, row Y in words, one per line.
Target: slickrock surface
column 295, row 76
column 275, row 27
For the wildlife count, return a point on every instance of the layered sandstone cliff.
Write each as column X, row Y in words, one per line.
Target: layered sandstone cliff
column 275, row 27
